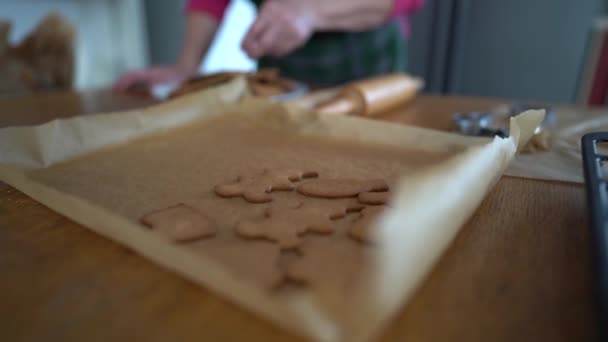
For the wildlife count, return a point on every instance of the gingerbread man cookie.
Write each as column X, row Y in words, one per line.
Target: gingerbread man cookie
column 257, row 188
column 362, row 229
column 180, row 223
column 374, row 198
column 286, row 225
column 341, row 188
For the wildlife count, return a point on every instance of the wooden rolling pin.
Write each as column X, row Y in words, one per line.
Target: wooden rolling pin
column 373, row 96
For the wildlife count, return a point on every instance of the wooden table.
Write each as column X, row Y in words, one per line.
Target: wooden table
column 519, row 271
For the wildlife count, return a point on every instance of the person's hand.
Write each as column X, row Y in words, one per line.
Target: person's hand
column 280, row 27
column 150, row 77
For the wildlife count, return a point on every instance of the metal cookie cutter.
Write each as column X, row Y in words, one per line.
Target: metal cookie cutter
column 474, row 123
column 496, row 122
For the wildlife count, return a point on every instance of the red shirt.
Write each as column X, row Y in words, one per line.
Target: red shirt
column 217, row 9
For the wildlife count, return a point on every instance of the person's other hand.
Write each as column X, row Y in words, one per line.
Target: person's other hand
column 280, row 27
column 150, row 77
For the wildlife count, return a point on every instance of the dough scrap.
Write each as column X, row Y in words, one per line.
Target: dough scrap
column 340, row 188
column 286, row 225
column 256, row 188
column 374, row 198
column 180, row 223
column 362, row 229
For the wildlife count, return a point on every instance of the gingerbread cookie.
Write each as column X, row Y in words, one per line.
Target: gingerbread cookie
column 341, row 188
column 374, row 198
column 257, row 188
column 362, row 229
column 179, row 223
column 286, row 225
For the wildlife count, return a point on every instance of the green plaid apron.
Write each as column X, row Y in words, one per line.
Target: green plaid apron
column 331, row 58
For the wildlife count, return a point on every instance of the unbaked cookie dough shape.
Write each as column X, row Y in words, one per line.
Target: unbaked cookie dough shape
column 256, row 188
column 285, row 225
column 340, row 187
column 180, row 223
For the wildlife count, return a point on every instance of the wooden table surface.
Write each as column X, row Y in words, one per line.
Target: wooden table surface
column 518, row 271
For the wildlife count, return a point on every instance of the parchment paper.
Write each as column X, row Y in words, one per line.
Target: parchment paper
column 103, row 171
column 563, row 162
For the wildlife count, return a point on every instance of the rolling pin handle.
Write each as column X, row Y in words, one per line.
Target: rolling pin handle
column 337, row 106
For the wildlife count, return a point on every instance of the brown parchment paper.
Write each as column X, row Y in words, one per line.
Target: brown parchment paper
column 105, row 170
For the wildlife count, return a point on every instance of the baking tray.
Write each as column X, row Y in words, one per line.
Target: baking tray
column 595, row 165
column 52, row 164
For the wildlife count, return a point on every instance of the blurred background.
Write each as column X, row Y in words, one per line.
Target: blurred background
column 535, row 50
